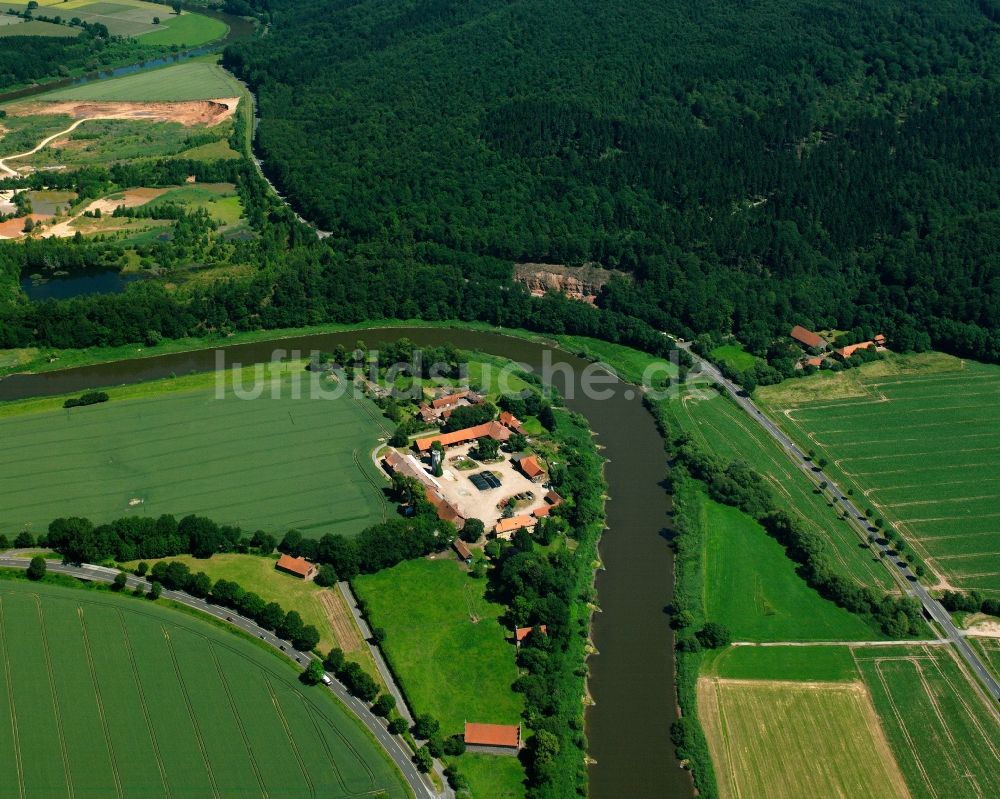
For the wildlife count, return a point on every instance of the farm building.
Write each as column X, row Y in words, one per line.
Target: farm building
column 850, row 349
column 807, row 338
column 505, row 528
column 530, row 467
column 508, row 419
column 395, row 463
column 493, row 737
column 493, row 430
column 300, row 567
column 553, row 499
column 462, row 550
column 520, row 633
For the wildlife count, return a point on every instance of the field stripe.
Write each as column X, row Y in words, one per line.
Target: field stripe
column 10, row 701
column 288, row 733
column 89, row 655
column 57, row 711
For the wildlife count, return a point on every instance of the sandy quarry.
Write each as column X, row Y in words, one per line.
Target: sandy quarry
column 189, row 112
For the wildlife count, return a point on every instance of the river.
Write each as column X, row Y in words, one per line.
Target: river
column 632, row 676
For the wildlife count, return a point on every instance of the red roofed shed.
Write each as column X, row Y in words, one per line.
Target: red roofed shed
column 300, row 567
column 501, row 735
column 807, row 337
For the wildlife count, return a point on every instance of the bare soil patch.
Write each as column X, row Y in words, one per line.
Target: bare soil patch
column 188, row 112
column 341, row 620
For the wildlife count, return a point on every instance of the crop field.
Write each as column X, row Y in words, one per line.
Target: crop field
column 923, row 449
column 752, row 587
column 772, row 739
column 324, row 608
column 36, row 27
column 129, row 18
column 440, row 633
column 103, row 695
column 273, row 463
column 944, row 731
column 785, row 663
column 722, row 428
column 192, row 80
column 989, row 651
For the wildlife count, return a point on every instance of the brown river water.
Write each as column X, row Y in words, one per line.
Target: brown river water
column 632, row 677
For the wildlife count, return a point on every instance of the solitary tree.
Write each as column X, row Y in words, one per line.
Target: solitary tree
column 177, row 8
column 473, row 530
column 397, row 726
column 425, row 726
column 423, row 759
column 141, row 568
column 121, row 580
column 313, row 675
column 156, row 20
column 714, row 635
column 335, row 660
column 154, row 591
column 384, row 705
column 36, row 569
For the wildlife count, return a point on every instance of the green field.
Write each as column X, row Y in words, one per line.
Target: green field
column 256, row 573
column 752, row 587
column 115, row 696
column 719, row 426
column 772, row 740
column 127, row 18
column 440, row 634
column 788, row 663
column 493, row 777
column 36, row 27
column 734, row 355
column 945, row 733
column 219, row 199
column 172, row 447
column 192, row 80
column 923, row 448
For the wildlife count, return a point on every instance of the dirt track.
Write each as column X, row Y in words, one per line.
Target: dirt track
column 188, row 113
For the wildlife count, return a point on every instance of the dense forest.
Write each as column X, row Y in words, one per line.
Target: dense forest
column 750, row 165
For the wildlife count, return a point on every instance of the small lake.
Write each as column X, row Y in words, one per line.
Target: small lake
column 62, row 287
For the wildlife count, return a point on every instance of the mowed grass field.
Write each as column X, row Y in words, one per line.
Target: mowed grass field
column 192, row 80
column 719, row 426
column 444, row 641
column 173, row 447
column 130, row 18
column 104, row 696
column 771, row 739
column 945, row 732
column 922, row 448
column 752, row 587
column 786, row 663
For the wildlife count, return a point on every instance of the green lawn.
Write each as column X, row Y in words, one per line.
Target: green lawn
column 172, row 447
column 734, row 355
column 444, row 642
column 191, row 80
column 752, row 587
column 629, row 364
column 36, row 27
column 944, row 732
column 918, row 436
column 188, row 29
column 219, row 199
column 796, row 663
column 105, row 695
column 493, row 777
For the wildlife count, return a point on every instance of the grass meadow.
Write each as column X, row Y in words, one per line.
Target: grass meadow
column 171, row 447
column 444, row 641
column 944, row 731
column 722, row 428
column 785, row 663
column 771, row 740
column 734, row 355
column 752, row 587
column 191, row 80
column 922, row 448
column 103, row 695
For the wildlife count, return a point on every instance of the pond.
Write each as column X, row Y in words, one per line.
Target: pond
column 63, row 286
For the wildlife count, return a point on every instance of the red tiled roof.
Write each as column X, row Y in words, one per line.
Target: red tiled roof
column 514, row 523
column 554, row 499
column 806, row 337
column 462, row 549
column 529, row 465
column 541, row 511
column 879, row 339
column 850, row 349
column 445, row 510
column 493, row 735
column 817, row 361
column 523, row 632
column 511, row 421
column 451, row 399
column 491, row 429
column 299, row 566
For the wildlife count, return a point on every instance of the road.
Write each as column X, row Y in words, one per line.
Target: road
column 395, row 747
column 859, row 521
column 8, row 172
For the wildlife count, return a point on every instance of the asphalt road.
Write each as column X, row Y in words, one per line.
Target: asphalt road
column 395, row 747
column 900, row 567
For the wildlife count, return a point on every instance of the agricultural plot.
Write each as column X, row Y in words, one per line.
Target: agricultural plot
column 128, row 18
column 191, row 80
column 173, row 447
column 751, row 586
column 35, row 27
column 722, row 428
column 324, row 608
column 923, row 449
column 440, row 631
column 945, row 733
column 772, row 739
column 785, row 663
column 102, row 695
